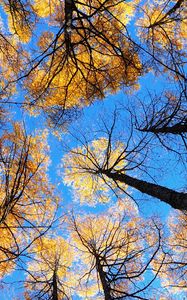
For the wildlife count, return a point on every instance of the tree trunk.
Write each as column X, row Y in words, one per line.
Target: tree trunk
column 55, row 289
column 175, row 199
column 69, row 7
column 175, row 129
column 105, row 286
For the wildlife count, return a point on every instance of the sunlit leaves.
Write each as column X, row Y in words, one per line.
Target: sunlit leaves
column 27, row 204
column 173, row 274
column 50, row 267
column 86, row 58
column 20, row 18
column 114, row 248
column 45, row 8
column 82, row 169
column 163, row 28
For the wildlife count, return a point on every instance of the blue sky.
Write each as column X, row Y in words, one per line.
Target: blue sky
column 170, row 176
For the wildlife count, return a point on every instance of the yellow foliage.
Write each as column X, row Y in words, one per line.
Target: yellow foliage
column 76, row 83
column 160, row 27
column 81, row 170
column 173, row 271
column 113, row 237
column 19, row 19
column 26, row 196
column 11, row 63
column 44, row 8
column 95, row 64
column 7, row 245
column 49, row 252
column 51, row 255
column 19, row 28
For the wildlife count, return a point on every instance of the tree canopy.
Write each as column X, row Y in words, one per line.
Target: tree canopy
column 93, row 144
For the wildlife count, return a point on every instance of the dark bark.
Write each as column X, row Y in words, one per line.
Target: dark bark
column 175, row 199
column 105, row 285
column 69, row 8
column 55, row 288
column 175, row 129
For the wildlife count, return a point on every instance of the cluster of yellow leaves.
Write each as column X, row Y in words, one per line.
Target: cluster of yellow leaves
column 172, row 261
column 113, row 236
column 25, row 191
column 52, row 255
column 49, row 8
column 45, row 8
column 78, row 81
column 82, row 170
column 7, row 245
column 175, row 269
column 125, row 10
column 99, row 60
column 30, row 157
column 162, row 28
column 10, row 63
column 19, row 18
column 178, row 227
column 52, row 252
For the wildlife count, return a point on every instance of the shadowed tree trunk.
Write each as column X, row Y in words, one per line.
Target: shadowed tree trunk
column 175, row 129
column 55, row 288
column 69, row 7
column 102, row 275
column 175, row 199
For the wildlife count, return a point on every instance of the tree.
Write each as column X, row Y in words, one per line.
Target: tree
column 25, row 194
column 117, row 250
column 163, row 29
column 82, row 56
column 173, row 273
column 88, row 50
column 48, row 271
column 103, row 164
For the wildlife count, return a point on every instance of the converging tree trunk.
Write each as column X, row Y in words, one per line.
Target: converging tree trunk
column 175, row 199
column 55, row 288
column 175, row 129
column 102, row 275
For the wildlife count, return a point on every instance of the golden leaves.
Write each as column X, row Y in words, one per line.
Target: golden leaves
column 81, row 170
column 53, row 257
column 27, row 205
column 78, row 81
column 163, row 24
column 95, row 60
column 50, row 252
column 44, row 8
column 117, row 244
column 20, row 19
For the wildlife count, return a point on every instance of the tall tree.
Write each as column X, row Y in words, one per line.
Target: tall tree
column 174, row 269
column 101, row 165
column 117, row 249
column 48, row 272
column 25, row 194
column 81, row 56
column 163, row 30
column 88, row 49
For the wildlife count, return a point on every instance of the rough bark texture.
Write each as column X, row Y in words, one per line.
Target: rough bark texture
column 175, row 129
column 55, row 289
column 175, row 199
column 105, row 286
column 69, row 7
